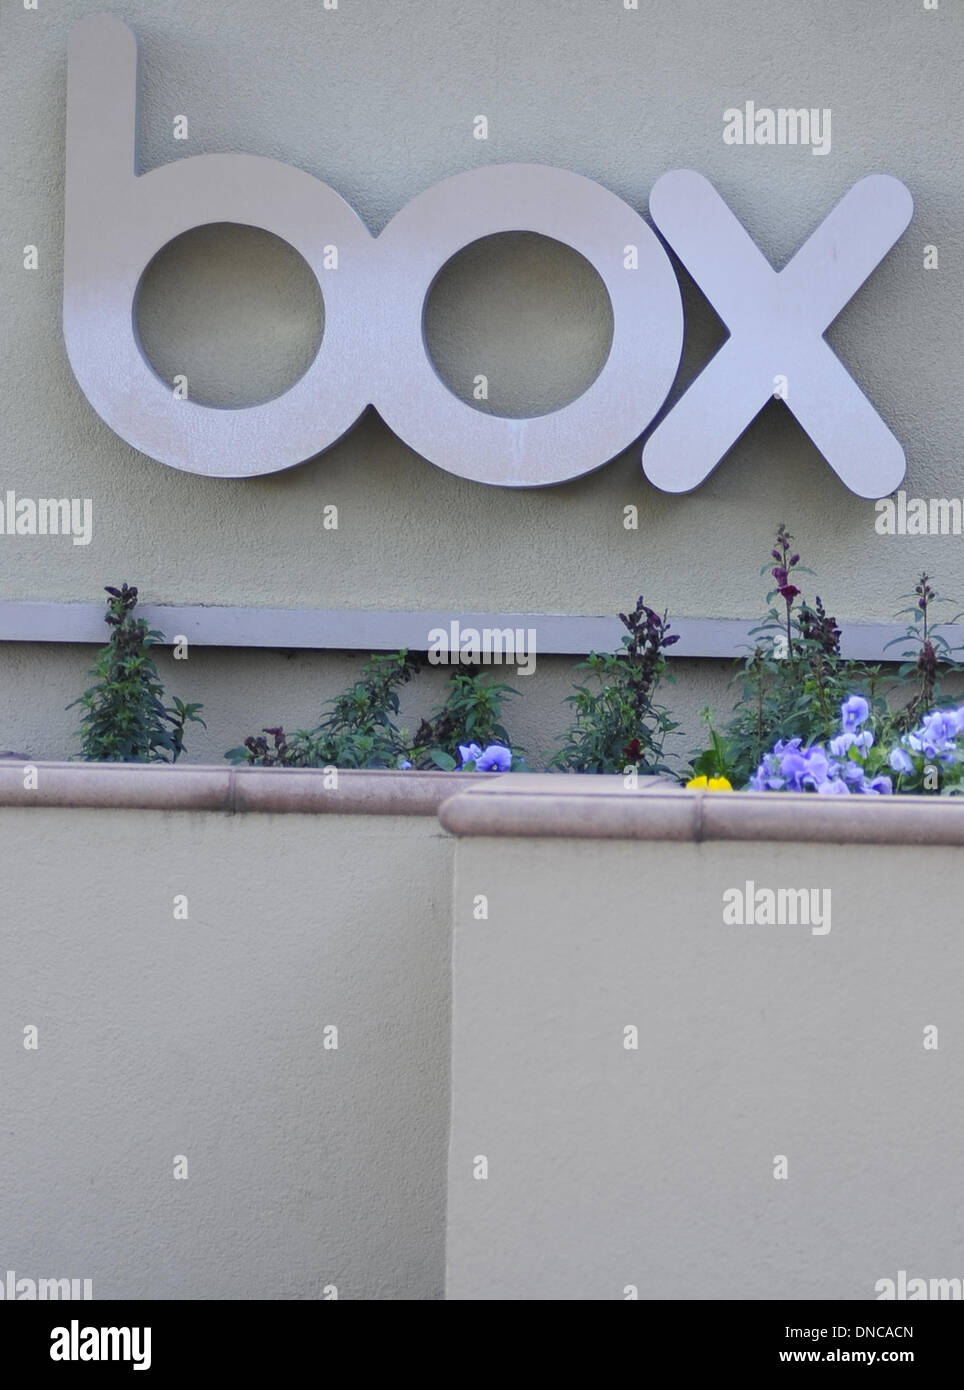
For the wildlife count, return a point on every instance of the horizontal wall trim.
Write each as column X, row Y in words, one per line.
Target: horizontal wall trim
column 364, row 629
column 514, row 805
column 163, row 787
column 530, row 806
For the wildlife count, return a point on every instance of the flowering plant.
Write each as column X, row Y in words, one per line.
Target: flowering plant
column 470, row 718
column 793, row 679
column 929, row 758
column 930, row 656
column 709, row 784
column 493, row 758
column 357, row 731
column 618, row 722
column 796, row 678
column 125, row 719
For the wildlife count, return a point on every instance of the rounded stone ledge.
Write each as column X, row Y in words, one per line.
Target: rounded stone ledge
column 537, row 806
column 157, row 787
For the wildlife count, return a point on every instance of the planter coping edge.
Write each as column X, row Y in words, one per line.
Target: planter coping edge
column 280, row 791
column 603, row 808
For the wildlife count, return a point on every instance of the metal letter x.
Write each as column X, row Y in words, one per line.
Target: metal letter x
column 777, row 320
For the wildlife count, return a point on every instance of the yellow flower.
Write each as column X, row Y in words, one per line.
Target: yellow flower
column 709, row 784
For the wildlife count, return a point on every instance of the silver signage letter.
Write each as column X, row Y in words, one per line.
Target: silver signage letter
column 647, row 325
column 776, row 322
column 115, row 222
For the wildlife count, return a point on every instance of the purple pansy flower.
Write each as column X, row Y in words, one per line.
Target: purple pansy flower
column 842, row 744
column 936, row 735
column 882, row 785
column 494, row 759
column 853, row 713
column 901, row 761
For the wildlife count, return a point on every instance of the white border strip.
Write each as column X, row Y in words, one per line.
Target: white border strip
column 362, row 629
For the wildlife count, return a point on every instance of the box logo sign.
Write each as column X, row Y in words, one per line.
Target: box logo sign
column 373, row 350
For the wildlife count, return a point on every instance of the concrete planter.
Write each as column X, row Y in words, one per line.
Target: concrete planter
column 653, row 1100
column 629, row 1071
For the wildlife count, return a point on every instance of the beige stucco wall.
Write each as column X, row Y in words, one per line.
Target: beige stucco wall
column 651, row 1172
column 205, row 1038
column 379, row 100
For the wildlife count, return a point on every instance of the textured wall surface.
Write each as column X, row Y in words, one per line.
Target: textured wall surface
column 379, row 100
column 205, row 1038
column 655, row 1167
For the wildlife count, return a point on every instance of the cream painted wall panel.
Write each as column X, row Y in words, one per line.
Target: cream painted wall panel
column 654, row 1167
column 205, row 1038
